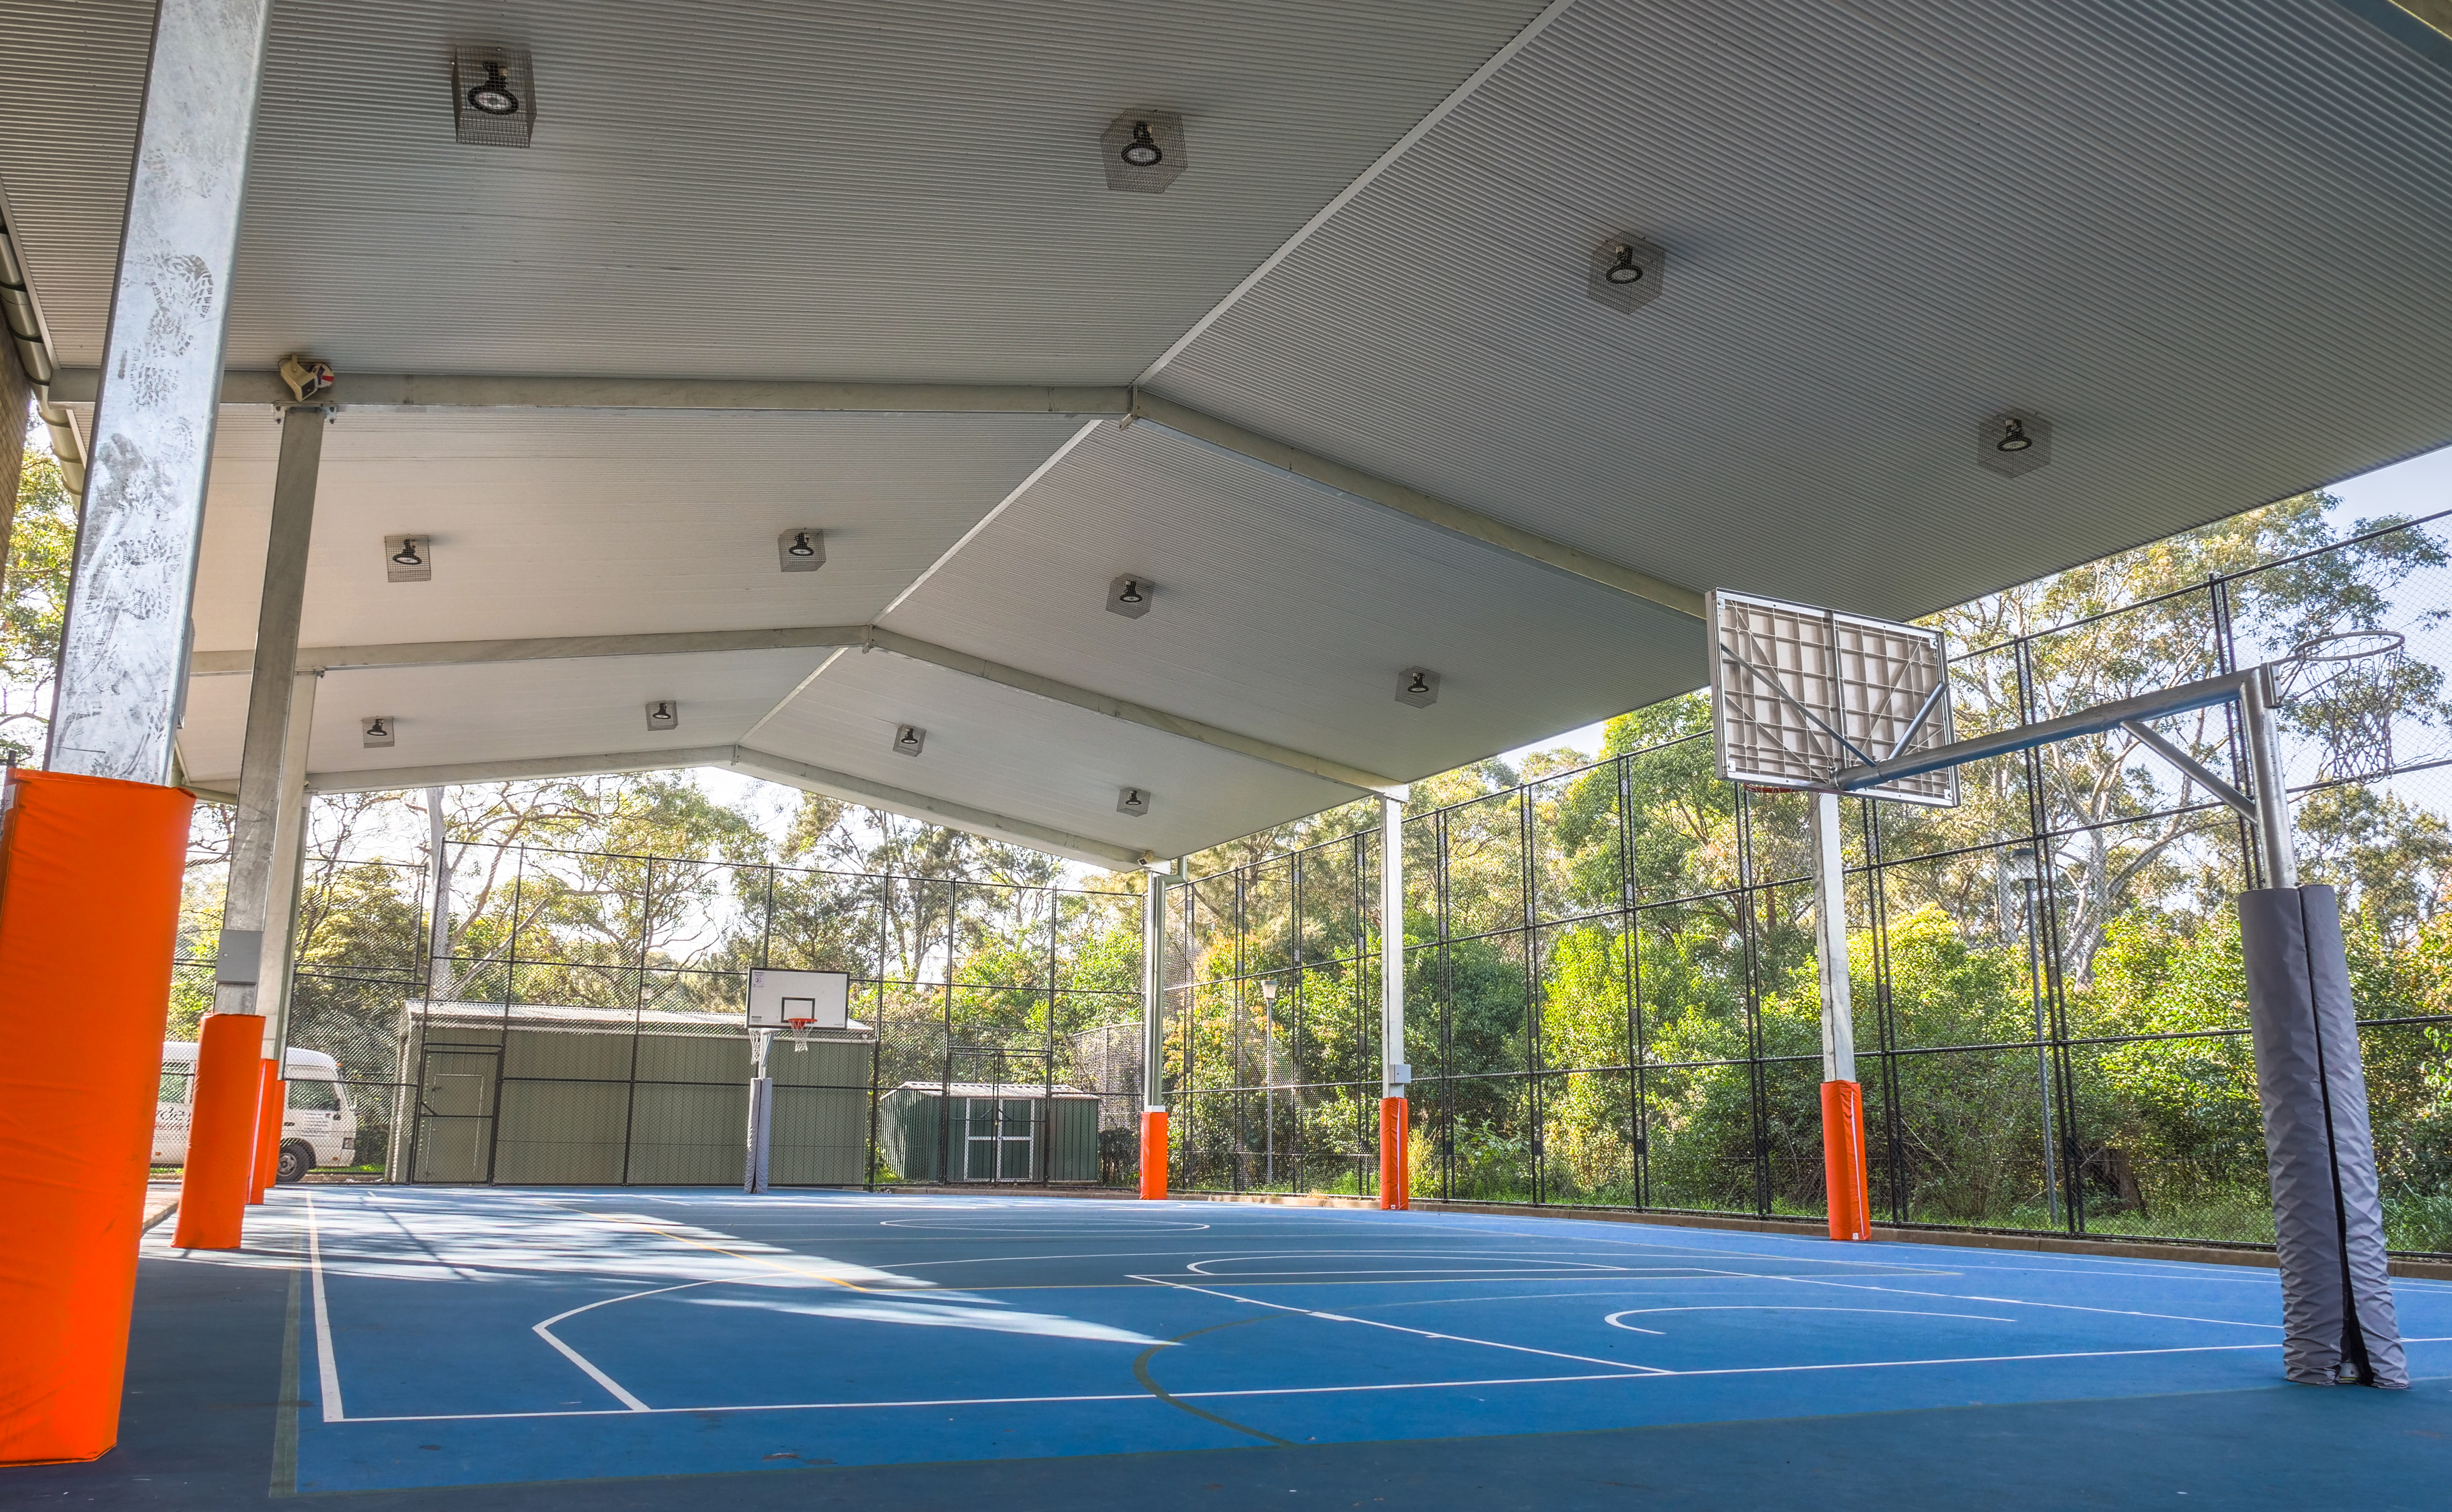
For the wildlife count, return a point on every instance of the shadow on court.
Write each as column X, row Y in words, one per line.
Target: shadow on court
column 1434, row 1357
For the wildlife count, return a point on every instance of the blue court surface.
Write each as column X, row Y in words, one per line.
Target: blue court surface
column 462, row 1337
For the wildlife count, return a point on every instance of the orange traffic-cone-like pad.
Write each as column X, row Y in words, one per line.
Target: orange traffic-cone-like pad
column 1842, row 1161
column 90, row 872
column 1153, row 1154
column 221, row 1132
column 271, row 1103
column 1396, row 1179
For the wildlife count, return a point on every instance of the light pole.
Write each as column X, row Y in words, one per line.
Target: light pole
column 2025, row 869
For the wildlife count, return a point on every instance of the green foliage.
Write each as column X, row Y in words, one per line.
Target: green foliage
column 33, row 601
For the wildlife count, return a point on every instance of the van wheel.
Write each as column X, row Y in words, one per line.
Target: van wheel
column 297, row 1159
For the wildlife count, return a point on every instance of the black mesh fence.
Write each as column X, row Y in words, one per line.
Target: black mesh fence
column 584, row 1022
column 1612, row 993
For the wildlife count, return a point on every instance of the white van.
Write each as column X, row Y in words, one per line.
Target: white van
column 320, row 1129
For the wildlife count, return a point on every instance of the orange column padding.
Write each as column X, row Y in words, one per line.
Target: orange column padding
column 1396, row 1179
column 271, row 1103
column 1842, row 1161
column 90, row 874
column 221, row 1132
column 1153, row 1154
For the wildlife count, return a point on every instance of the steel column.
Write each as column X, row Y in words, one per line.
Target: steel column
column 2275, row 848
column 1154, row 1142
column 289, row 831
column 239, row 971
column 123, row 650
column 1393, row 1074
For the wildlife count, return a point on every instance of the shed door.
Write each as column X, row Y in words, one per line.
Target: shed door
column 455, row 1112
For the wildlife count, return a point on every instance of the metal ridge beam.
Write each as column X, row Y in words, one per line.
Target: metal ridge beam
column 542, row 648
column 686, row 642
column 934, row 810
column 383, row 779
column 1131, row 712
column 1455, row 519
column 79, row 385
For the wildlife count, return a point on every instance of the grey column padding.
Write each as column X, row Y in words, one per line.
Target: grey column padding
column 2337, row 1308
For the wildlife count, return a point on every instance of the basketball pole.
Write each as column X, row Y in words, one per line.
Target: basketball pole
column 761, row 1114
column 1842, row 1100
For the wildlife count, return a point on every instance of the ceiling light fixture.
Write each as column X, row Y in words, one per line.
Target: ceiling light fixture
column 1135, row 801
column 801, row 549
column 2014, row 442
column 663, row 715
column 1625, row 272
column 494, row 96
column 376, row 732
column 408, row 559
column 1143, row 154
column 908, row 739
column 1130, row 596
column 1419, row 687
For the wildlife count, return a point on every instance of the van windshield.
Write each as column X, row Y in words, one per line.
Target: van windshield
column 316, row 1096
column 174, row 1084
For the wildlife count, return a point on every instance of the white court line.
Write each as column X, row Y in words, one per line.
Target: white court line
column 1397, row 1327
column 545, row 1330
column 2015, row 1301
column 326, row 1366
column 1616, row 1374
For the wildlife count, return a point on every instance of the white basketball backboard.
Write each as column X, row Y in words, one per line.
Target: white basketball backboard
column 822, row 998
column 1799, row 692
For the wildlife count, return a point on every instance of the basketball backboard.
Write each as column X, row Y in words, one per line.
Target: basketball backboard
column 820, row 998
column 1799, row 692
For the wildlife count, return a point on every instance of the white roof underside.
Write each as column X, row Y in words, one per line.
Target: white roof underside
column 2202, row 236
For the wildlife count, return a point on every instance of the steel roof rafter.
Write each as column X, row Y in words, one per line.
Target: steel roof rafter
column 472, row 653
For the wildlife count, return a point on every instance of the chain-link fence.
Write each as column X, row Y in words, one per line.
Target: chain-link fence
column 1611, row 991
column 579, row 1017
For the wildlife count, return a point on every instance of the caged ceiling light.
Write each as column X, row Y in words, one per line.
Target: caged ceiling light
column 494, row 96
column 801, row 550
column 408, row 559
column 2014, row 442
column 1625, row 271
column 1142, row 152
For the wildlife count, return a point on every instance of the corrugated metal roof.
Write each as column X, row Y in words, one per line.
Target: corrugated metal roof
column 734, row 188
column 2204, row 237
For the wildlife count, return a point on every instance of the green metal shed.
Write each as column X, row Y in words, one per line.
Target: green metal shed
column 1017, row 1132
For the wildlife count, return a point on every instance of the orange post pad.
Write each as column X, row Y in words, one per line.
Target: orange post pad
column 1396, row 1179
column 271, row 1103
column 90, row 872
column 221, row 1132
column 1153, row 1154
column 1842, row 1161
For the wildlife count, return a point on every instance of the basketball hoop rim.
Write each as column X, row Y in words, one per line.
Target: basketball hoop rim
column 2389, row 642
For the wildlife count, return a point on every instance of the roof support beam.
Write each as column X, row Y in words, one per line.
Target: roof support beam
column 1453, row 519
column 385, row 779
column 687, row 643
column 1130, row 713
column 543, row 648
column 933, row 811
column 77, row 386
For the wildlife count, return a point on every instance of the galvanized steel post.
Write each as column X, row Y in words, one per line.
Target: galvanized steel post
column 1395, row 1074
column 124, row 653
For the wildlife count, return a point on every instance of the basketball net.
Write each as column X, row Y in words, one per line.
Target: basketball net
column 799, row 1032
